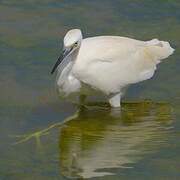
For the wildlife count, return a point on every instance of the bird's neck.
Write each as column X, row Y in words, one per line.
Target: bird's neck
column 66, row 68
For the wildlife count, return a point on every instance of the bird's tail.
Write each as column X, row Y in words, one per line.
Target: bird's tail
column 159, row 49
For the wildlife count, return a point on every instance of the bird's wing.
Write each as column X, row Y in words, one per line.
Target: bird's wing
column 113, row 62
column 111, row 48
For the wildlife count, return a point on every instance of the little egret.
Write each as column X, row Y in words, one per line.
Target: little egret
column 106, row 64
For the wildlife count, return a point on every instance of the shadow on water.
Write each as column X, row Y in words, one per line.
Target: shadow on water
column 93, row 143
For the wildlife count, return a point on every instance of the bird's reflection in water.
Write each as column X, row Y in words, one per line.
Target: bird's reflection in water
column 94, row 142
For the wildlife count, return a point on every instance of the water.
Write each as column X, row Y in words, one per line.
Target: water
column 43, row 137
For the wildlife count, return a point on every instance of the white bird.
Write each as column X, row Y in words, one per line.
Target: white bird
column 106, row 64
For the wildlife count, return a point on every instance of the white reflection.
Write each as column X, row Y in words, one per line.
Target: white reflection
column 94, row 142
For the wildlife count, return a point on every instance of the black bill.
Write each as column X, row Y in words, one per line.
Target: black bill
column 64, row 54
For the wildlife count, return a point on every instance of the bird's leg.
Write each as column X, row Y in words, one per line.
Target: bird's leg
column 114, row 100
column 82, row 99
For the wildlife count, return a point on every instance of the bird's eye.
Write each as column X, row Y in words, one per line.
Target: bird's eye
column 76, row 43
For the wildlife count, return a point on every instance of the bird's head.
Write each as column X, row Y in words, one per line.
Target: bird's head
column 72, row 41
column 72, row 38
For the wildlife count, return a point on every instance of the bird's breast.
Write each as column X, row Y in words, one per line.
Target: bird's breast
column 68, row 85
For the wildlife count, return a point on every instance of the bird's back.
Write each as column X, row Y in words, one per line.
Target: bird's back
column 106, row 47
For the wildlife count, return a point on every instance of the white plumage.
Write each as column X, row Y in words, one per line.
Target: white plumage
column 107, row 64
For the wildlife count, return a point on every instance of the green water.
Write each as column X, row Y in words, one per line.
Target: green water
column 43, row 137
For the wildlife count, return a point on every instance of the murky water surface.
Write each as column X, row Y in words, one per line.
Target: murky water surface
column 42, row 137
